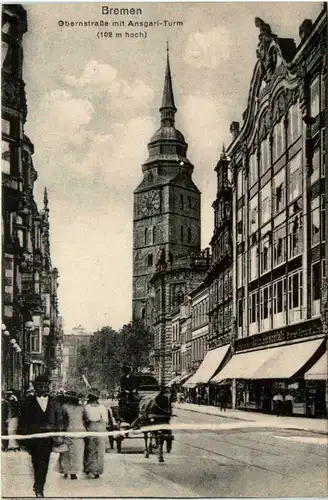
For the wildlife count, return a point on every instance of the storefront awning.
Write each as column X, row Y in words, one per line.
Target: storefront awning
column 319, row 370
column 276, row 362
column 174, row 380
column 179, row 379
column 208, row 367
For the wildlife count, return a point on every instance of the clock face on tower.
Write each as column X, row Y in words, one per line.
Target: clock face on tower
column 150, row 202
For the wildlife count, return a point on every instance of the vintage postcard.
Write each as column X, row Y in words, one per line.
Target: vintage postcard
column 164, row 250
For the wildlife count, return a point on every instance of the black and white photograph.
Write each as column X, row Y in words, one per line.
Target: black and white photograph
column 164, row 250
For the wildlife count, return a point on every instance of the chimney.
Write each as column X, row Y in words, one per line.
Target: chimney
column 234, row 129
column 305, row 29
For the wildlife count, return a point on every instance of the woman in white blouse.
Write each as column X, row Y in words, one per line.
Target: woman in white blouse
column 95, row 418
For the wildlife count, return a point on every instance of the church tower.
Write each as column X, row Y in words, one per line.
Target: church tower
column 166, row 220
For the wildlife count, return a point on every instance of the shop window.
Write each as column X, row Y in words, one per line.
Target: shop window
column 295, row 177
column 253, row 215
column 265, row 197
column 278, row 143
column 253, row 176
column 315, row 97
column 315, row 221
column 279, row 245
column 265, row 309
column 294, row 123
column 265, row 253
column 295, row 235
column 295, row 297
column 264, row 156
column 315, row 166
column 279, row 302
column 316, row 288
column 279, row 191
column 35, row 343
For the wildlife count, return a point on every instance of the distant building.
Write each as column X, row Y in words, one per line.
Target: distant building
column 72, row 341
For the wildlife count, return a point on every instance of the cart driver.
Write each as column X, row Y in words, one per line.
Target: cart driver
column 128, row 385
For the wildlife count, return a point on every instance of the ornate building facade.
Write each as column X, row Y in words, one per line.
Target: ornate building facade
column 30, row 331
column 279, row 165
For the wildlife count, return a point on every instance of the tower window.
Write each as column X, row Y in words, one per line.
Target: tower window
column 143, row 313
column 150, row 260
column 150, row 178
column 154, row 234
column 181, row 234
column 146, row 236
column 189, row 235
column 181, row 202
column 189, row 202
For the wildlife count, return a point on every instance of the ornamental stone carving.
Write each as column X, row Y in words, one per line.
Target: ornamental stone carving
column 267, row 57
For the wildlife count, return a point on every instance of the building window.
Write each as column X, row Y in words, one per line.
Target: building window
column 295, row 235
column 294, row 123
column 252, row 169
column 253, row 307
column 265, row 253
column 278, row 144
column 240, row 270
column 181, row 234
column 279, row 302
column 323, row 219
column 150, row 259
column 5, row 126
column 315, row 175
column 253, row 262
column 253, row 214
column 264, row 156
column 265, row 309
column 315, row 97
column 240, row 183
column 265, row 197
column 189, row 202
column 181, row 202
column 295, row 177
column 323, row 152
column 240, row 318
column 189, row 235
column 315, row 221
column 37, row 237
column 316, row 288
column 37, row 283
column 150, row 178
column 35, row 340
column 154, row 235
column 295, row 297
column 146, row 236
column 240, row 225
column 279, row 245
column 6, row 154
column 279, row 190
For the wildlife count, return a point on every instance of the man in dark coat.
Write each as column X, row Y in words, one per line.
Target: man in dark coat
column 40, row 413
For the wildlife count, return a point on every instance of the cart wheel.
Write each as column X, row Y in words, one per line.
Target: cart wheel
column 111, row 442
column 119, row 445
column 168, row 445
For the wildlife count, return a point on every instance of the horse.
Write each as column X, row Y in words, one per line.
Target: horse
column 154, row 411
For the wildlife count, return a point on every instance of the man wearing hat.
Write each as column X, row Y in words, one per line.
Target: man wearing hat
column 40, row 413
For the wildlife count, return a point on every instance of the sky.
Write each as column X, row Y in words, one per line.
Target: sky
column 93, row 105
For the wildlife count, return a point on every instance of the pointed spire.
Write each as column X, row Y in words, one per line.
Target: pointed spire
column 168, row 108
column 45, row 199
column 223, row 153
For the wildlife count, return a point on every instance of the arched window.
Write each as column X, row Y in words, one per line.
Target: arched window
column 150, row 178
column 154, row 235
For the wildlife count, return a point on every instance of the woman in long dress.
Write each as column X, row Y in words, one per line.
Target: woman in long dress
column 96, row 419
column 71, row 461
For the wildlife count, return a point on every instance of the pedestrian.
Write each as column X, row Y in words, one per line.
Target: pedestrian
column 4, row 420
column 95, row 419
column 278, row 402
column 12, row 419
column 40, row 413
column 71, row 461
column 289, row 400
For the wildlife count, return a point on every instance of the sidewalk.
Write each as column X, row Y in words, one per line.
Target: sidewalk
column 319, row 425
